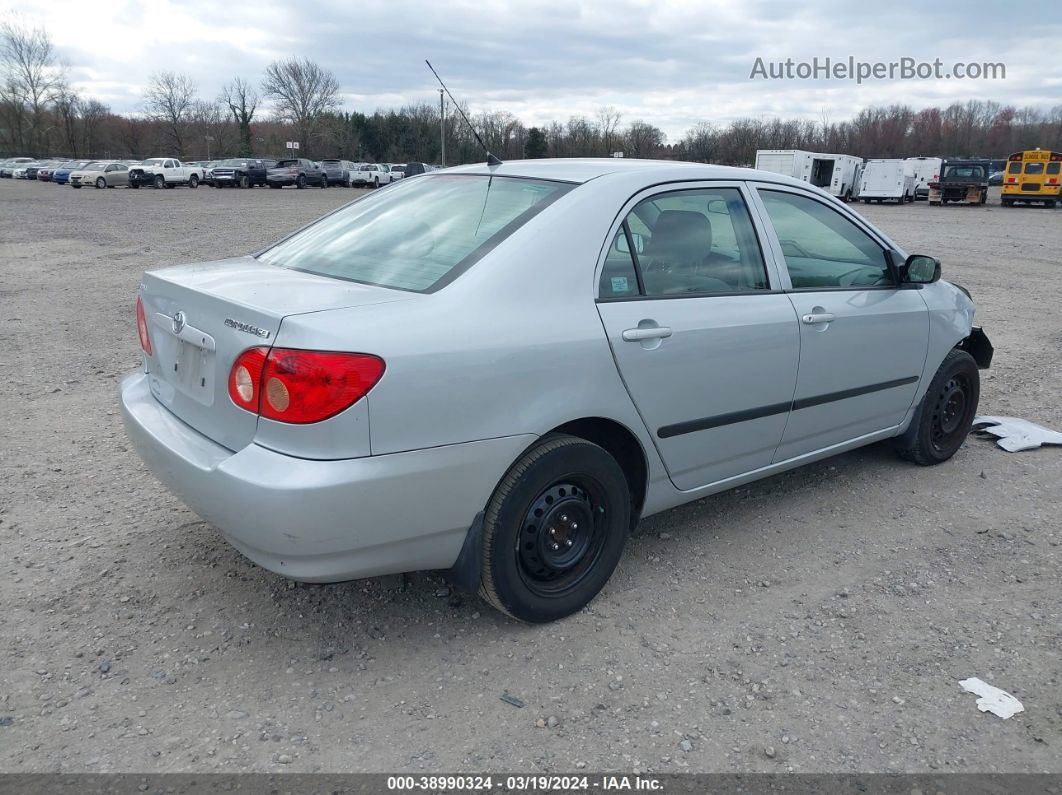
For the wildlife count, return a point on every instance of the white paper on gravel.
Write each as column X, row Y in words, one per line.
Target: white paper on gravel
column 992, row 699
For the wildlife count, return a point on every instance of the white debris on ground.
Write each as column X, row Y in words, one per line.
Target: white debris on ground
column 992, row 699
column 1016, row 434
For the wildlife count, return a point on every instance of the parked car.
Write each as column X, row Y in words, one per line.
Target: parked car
column 7, row 167
column 102, row 175
column 298, row 171
column 61, row 175
column 25, row 170
column 337, row 171
column 44, row 173
column 76, row 179
column 165, row 172
column 371, row 175
column 996, row 178
column 553, row 349
column 415, row 169
column 834, row 173
column 398, row 170
column 241, row 172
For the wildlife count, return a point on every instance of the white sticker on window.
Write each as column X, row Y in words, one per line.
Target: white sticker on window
column 619, row 284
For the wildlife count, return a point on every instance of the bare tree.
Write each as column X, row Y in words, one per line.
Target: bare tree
column 29, row 78
column 242, row 100
column 643, row 139
column 608, row 120
column 301, row 91
column 170, row 99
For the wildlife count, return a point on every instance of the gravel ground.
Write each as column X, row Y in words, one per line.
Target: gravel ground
column 816, row 621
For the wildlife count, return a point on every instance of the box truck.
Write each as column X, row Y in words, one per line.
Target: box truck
column 924, row 170
column 886, row 180
column 833, row 173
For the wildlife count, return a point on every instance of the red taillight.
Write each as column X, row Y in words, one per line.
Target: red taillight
column 142, row 327
column 301, row 386
column 245, row 378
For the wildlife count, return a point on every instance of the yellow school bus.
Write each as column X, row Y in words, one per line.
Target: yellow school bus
column 1034, row 175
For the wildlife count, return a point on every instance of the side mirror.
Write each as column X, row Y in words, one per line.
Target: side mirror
column 920, row 269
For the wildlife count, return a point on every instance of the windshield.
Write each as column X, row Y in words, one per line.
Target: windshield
column 154, row 161
column 287, row 163
column 232, row 163
column 418, row 236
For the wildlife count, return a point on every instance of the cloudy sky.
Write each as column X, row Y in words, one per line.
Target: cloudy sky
column 670, row 62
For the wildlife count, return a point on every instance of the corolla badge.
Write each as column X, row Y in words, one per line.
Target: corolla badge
column 178, row 322
column 250, row 328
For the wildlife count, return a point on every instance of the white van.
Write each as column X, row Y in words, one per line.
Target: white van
column 924, row 170
column 886, row 180
column 833, row 173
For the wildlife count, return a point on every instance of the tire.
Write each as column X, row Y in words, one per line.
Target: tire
column 218, row 185
column 375, row 182
column 134, row 185
column 100, row 183
column 947, row 411
column 275, row 185
column 537, row 565
column 245, row 182
column 75, row 187
column 300, row 182
column 324, row 180
column 193, row 181
column 160, row 181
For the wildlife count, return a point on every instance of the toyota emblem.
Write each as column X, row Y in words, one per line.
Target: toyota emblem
column 178, row 322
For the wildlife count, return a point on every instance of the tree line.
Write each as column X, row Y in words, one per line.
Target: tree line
column 41, row 114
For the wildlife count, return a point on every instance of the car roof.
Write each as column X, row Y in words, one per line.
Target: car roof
column 585, row 169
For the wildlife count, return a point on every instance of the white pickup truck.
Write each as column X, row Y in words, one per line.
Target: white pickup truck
column 165, row 172
column 372, row 175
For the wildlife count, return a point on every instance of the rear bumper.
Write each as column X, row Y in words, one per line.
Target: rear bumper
column 322, row 521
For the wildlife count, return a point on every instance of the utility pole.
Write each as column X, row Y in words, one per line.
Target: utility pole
column 442, row 128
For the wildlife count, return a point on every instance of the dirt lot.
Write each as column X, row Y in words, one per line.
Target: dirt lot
column 816, row 621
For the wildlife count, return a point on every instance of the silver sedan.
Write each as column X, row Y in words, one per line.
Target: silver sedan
column 495, row 371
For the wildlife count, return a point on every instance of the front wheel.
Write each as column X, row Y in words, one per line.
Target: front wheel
column 554, row 530
column 160, row 181
column 193, row 182
column 324, row 181
column 101, row 182
column 947, row 411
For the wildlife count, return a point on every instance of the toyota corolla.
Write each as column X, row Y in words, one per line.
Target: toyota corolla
column 497, row 370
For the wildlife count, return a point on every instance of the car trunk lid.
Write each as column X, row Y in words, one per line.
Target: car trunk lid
column 201, row 317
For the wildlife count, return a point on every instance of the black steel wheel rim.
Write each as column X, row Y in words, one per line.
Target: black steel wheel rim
column 562, row 535
column 949, row 411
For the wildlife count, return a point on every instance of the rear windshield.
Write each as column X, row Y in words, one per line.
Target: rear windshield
column 417, row 236
column 287, row 163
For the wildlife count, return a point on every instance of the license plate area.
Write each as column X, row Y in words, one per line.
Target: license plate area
column 186, row 361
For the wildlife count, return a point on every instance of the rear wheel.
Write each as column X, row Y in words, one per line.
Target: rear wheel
column 947, row 411
column 554, row 530
column 376, row 182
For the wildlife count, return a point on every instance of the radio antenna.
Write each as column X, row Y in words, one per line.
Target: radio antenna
column 491, row 159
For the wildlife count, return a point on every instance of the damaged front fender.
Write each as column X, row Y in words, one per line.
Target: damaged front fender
column 979, row 347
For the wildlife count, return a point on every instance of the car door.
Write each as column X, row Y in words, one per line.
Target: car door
column 706, row 347
column 863, row 338
column 119, row 175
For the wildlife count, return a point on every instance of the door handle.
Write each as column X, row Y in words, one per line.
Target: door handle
column 653, row 333
column 815, row 318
